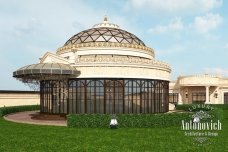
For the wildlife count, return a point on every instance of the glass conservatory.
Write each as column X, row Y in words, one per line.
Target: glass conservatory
column 100, row 70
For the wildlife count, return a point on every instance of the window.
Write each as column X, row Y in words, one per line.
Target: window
column 173, row 97
column 225, row 97
column 104, row 96
column 198, row 97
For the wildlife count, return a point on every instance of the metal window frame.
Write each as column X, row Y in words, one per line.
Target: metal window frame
column 128, row 96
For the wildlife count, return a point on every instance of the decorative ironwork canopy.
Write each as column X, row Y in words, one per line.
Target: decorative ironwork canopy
column 44, row 71
column 104, row 34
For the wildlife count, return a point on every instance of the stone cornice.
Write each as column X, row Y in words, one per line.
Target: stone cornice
column 124, row 65
column 72, row 48
column 200, row 76
column 199, row 80
column 54, row 57
column 121, row 61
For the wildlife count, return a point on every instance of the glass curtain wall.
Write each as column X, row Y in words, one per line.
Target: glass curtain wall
column 112, row 96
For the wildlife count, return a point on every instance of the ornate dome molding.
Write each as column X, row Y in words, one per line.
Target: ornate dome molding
column 105, row 23
column 71, row 48
column 121, row 61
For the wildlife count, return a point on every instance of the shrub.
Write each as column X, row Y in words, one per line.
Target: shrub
column 221, row 106
column 88, row 120
column 193, row 107
column 217, row 111
column 127, row 120
column 8, row 110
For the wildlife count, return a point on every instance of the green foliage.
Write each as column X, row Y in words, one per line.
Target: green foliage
column 126, row 120
column 88, row 120
column 221, row 106
column 8, row 110
column 216, row 111
column 144, row 120
column 16, row 137
column 193, row 107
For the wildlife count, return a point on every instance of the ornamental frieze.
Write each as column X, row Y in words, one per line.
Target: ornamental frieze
column 70, row 48
column 119, row 60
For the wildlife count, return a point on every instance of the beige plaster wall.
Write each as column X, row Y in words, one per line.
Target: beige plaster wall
column 122, row 72
column 16, row 99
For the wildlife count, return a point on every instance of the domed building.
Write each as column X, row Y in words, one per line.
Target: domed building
column 104, row 69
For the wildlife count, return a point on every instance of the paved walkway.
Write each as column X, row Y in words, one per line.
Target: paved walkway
column 34, row 117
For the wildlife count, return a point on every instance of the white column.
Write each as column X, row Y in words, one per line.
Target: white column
column 180, row 102
column 207, row 95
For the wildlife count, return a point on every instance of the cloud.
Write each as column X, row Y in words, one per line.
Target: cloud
column 171, row 50
column 176, row 6
column 27, row 31
column 175, row 25
column 201, row 24
column 204, row 24
column 226, row 46
column 31, row 26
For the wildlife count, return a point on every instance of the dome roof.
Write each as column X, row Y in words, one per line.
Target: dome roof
column 104, row 32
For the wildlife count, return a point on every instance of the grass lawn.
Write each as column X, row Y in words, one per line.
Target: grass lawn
column 24, row 137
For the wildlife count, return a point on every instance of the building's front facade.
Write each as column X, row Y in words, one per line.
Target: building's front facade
column 118, row 74
column 208, row 89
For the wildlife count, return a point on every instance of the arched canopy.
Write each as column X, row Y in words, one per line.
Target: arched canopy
column 43, row 71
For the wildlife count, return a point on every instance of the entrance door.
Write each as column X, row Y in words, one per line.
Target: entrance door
column 114, row 96
column 59, row 98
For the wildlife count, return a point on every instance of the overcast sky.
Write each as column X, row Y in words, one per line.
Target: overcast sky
column 190, row 35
